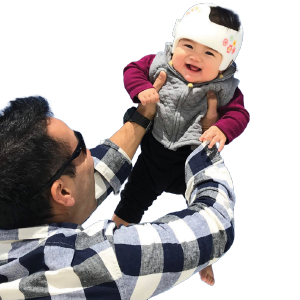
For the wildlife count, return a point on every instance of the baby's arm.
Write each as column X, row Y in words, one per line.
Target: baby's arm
column 137, row 83
column 234, row 118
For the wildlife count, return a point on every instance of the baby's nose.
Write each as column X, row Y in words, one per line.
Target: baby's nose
column 196, row 58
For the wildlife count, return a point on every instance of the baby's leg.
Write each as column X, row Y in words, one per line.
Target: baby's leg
column 175, row 182
column 139, row 193
column 207, row 275
column 145, row 183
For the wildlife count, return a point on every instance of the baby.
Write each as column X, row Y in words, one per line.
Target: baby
column 200, row 60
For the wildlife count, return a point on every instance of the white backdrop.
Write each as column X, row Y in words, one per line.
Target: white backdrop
column 73, row 54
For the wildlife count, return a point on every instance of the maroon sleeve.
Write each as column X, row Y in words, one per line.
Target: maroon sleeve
column 234, row 118
column 136, row 77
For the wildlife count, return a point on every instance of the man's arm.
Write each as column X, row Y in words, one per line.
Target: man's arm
column 112, row 158
column 153, row 257
column 130, row 135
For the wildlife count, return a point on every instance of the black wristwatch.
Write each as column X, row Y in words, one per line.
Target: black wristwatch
column 132, row 115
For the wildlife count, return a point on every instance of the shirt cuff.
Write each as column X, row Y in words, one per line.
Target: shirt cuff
column 111, row 162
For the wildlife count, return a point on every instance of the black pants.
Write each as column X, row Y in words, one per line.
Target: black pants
column 157, row 170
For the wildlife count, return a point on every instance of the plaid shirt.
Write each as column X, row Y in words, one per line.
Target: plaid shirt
column 65, row 261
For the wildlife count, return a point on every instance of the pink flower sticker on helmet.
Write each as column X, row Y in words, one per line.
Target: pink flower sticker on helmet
column 229, row 49
column 225, row 42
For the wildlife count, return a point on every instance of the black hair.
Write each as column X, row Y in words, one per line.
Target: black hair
column 224, row 17
column 29, row 157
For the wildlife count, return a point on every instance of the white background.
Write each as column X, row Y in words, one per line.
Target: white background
column 73, row 54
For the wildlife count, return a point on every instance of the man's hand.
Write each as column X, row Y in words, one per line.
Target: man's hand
column 211, row 116
column 149, row 110
column 209, row 132
column 214, row 135
column 148, row 96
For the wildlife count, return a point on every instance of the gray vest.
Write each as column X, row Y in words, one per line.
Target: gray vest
column 177, row 120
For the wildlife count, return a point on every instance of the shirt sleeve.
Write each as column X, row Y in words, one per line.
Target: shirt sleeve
column 153, row 257
column 234, row 118
column 111, row 168
column 136, row 77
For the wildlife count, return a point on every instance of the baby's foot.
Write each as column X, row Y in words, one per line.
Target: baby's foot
column 207, row 275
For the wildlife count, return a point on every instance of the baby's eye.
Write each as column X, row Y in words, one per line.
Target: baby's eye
column 209, row 53
column 189, row 46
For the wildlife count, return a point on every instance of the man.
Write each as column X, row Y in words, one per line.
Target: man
column 47, row 177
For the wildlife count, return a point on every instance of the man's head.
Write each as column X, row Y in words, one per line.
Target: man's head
column 214, row 27
column 33, row 147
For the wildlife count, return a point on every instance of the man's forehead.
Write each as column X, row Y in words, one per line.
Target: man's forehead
column 56, row 126
column 60, row 130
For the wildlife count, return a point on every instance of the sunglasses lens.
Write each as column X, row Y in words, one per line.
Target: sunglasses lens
column 81, row 141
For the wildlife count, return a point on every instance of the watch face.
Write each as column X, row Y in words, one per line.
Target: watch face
column 128, row 114
column 133, row 116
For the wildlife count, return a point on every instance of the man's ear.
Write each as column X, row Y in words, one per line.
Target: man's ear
column 61, row 193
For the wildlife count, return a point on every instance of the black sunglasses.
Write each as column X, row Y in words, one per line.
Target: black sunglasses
column 80, row 147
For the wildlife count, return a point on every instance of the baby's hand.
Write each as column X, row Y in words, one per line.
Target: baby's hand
column 148, row 96
column 214, row 135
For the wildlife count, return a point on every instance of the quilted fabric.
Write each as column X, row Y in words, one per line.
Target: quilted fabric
column 181, row 108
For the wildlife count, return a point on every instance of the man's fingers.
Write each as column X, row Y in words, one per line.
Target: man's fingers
column 212, row 102
column 160, row 80
column 211, row 115
column 211, row 95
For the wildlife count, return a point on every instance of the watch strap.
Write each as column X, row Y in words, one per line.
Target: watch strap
column 132, row 115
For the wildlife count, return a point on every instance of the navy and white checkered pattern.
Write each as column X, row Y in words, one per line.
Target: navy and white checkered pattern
column 65, row 261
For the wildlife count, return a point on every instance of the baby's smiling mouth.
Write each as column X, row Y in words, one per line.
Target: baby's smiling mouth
column 193, row 68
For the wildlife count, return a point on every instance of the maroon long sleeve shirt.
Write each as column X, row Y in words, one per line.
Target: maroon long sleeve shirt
column 233, row 116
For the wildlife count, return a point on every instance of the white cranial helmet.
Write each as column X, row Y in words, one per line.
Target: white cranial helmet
column 196, row 25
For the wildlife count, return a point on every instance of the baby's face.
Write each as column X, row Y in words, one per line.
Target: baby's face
column 195, row 62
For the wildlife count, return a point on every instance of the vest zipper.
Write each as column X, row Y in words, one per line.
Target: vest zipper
column 176, row 121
